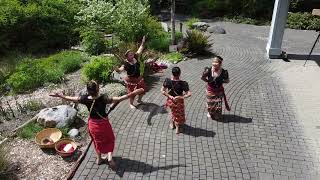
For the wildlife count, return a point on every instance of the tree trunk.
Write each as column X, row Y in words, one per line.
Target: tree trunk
column 173, row 28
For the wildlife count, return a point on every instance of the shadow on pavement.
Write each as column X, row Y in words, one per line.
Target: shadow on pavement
column 303, row 57
column 128, row 165
column 227, row 118
column 152, row 80
column 196, row 132
column 153, row 110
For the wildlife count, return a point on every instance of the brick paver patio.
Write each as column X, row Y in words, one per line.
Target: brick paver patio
column 271, row 132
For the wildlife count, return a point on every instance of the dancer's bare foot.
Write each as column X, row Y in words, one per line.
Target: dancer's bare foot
column 172, row 126
column 99, row 161
column 132, row 106
column 139, row 101
column 208, row 115
column 178, row 129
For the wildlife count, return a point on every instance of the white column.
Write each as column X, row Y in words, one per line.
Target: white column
column 279, row 20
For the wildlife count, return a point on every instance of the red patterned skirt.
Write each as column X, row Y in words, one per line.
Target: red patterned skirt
column 214, row 102
column 177, row 110
column 133, row 83
column 102, row 135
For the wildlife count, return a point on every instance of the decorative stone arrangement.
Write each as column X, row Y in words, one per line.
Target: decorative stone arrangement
column 205, row 27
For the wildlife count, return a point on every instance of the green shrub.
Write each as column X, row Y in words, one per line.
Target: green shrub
column 162, row 43
column 173, row 57
column 130, row 23
column 70, row 61
column 93, row 42
column 197, row 42
column 112, row 43
column 121, row 18
column 240, row 19
column 153, row 28
column 303, row 21
column 191, row 21
column 179, row 36
column 29, row 75
column 47, row 23
column 33, row 73
column 99, row 69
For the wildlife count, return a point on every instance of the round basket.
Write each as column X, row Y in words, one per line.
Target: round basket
column 48, row 137
column 59, row 146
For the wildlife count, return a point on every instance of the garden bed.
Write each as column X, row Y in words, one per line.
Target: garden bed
column 24, row 155
column 31, row 162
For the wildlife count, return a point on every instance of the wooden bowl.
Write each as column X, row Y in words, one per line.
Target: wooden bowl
column 48, row 137
column 62, row 143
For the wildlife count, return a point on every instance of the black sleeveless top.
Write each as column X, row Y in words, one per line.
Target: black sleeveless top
column 215, row 83
column 176, row 88
column 99, row 108
column 133, row 70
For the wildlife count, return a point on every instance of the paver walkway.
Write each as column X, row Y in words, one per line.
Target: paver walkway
column 271, row 132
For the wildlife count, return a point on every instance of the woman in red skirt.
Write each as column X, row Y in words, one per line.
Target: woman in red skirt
column 176, row 90
column 100, row 128
column 134, row 79
column 215, row 76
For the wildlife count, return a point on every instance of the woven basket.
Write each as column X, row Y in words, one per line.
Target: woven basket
column 48, row 137
column 62, row 142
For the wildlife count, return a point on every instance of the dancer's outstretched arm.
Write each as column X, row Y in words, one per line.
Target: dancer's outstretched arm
column 141, row 46
column 68, row 98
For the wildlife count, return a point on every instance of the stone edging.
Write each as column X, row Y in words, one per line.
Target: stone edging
column 3, row 141
column 23, row 125
column 77, row 164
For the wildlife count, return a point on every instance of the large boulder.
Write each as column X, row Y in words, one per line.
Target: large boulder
column 165, row 26
column 59, row 116
column 202, row 26
column 216, row 30
column 118, row 76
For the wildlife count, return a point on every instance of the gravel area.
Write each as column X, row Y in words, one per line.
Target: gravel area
column 35, row 163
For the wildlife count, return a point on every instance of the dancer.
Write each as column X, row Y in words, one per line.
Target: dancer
column 176, row 90
column 99, row 126
column 215, row 76
column 134, row 79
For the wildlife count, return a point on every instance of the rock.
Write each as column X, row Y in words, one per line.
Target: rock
column 73, row 133
column 118, row 76
column 181, row 44
column 59, row 116
column 216, row 30
column 165, row 26
column 113, row 89
column 202, row 26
